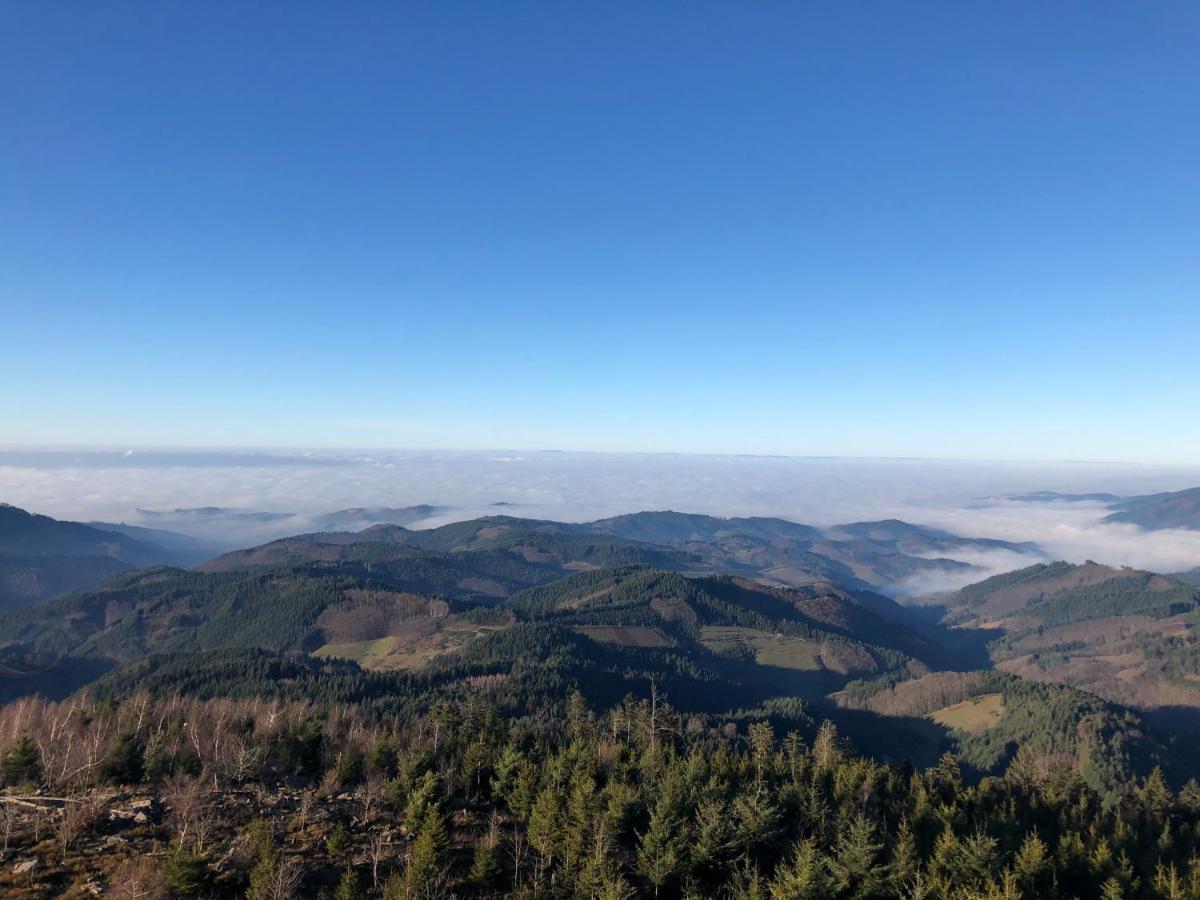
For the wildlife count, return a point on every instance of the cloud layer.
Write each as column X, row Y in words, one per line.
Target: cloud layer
column 967, row 498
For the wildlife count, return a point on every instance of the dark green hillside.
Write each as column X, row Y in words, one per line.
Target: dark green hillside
column 1059, row 593
column 735, row 618
column 1138, row 593
column 913, row 539
column 42, row 557
column 866, row 555
column 27, row 578
column 675, row 527
column 1177, row 509
column 156, row 610
column 538, row 543
column 28, row 534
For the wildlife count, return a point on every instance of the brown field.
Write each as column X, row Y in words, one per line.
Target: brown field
column 411, row 648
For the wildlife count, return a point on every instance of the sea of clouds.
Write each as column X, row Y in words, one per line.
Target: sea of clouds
column 972, row 499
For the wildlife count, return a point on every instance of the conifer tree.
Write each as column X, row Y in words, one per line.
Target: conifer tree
column 854, row 865
column 805, row 876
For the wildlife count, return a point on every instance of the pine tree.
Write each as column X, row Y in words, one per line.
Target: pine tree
column 338, row 843
column 762, row 747
column 545, row 825
column 21, row 763
column 579, row 717
column 854, row 866
column 425, row 871
column 185, row 873
column 1031, row 867
column 827, row 746
column 905, row 858
column 803, row 877
column 661, row 852
column 713, row 840
column 577, row 824
column 756, row 818
column 1154, row 794
column 485, row 866
column 347, row 888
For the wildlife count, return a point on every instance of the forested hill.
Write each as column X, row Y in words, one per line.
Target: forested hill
column 878, row 556
column 42, row 557
column 1126, row 635
column 1177, row 509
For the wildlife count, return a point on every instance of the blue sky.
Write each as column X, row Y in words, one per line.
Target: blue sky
column 942, row 229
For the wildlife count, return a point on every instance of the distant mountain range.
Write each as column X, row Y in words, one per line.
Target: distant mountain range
column 232, row 528
column 1152, row 512
column 42, row 557
column 1178, row 509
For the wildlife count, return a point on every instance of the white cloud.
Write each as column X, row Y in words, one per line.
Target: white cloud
column 86, row 485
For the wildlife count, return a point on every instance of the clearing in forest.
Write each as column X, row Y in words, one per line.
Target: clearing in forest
column 974, row 716
column 783, row 651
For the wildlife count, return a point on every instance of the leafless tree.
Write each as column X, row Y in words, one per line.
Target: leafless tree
column 8, row 820
column 377, row 852
column 77, row 817
column 370, row 793
column 187, row 802
column 517, row 851
column 281, row 885
column 138, row 878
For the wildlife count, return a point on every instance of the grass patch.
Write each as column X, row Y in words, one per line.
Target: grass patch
column 973, row 716
column 365, row 653
column 769, row 649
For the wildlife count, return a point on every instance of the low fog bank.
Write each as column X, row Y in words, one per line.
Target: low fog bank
column 966, row 498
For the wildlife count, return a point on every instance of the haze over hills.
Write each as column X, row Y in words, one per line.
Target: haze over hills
column 1177, row 509
column 41, row 557
column 230, row 528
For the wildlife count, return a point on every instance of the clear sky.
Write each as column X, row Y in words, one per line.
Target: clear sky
column 949, row 229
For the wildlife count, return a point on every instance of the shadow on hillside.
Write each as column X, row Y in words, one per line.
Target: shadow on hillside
column 809, row 684
column 890, row 739
column 964, row 649
column 1183, row 721
column 56, row 682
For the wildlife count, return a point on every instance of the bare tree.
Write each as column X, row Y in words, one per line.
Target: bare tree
column 138, row 878
column 281, row 883
column 77, row 817
column 187, row 802
column 517, row 850
column 377, row 852
column 305, row 809
column 8, row 820
column 370, row 793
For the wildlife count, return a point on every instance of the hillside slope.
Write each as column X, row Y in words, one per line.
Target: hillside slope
column 1127, row 635
column 1176, row 509
column 42, row 557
